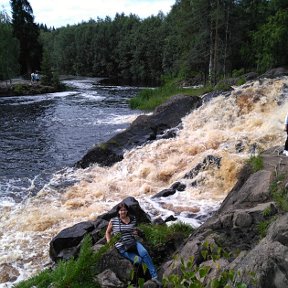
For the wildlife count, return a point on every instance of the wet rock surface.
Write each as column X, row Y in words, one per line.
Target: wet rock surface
column 8, row 273
column 144, row 129
column 235, row 228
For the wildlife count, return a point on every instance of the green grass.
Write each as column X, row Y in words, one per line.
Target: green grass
column 256, row 163
column 149, row 99
column 77, row 273
column 280, row 193
column 158, row 234
column 80, row 272
column 263, row 226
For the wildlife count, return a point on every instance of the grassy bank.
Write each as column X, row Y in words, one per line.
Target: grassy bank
column 81, row 272
column 149, row 99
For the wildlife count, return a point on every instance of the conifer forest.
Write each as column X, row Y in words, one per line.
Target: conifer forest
column 210, row 39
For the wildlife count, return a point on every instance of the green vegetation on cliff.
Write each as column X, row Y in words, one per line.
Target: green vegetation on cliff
column 81, row 272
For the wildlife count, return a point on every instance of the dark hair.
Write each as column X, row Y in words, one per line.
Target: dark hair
column 122, row 205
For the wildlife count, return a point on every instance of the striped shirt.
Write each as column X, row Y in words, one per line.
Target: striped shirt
column 125, row 230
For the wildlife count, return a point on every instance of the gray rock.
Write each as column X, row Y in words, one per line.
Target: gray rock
column 242, row 219
column 113, row 261
column 8, row 273
column 260, row 263
column 108, row 279
column 275, row 72
column 67, row 243
column 143, row 129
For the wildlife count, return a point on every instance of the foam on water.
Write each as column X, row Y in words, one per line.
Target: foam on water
column 22, row 100
column 84, row 84
column 117, row 119
column 252, row 114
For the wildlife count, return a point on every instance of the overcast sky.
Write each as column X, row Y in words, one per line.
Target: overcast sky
column 59, row 13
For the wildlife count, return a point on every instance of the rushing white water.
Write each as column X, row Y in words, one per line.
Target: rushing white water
column 252, row 114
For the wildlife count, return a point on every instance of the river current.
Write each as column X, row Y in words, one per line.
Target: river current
column 42, row 195
column 42, row 134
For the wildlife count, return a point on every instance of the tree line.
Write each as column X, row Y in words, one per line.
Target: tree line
column 209, row 39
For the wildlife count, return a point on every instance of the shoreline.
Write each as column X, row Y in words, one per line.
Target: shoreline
column 20, row 87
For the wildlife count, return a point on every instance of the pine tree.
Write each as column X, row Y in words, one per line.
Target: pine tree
column 27, row 33
column 9, row 49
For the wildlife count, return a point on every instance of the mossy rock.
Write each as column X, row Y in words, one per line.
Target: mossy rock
column 24, row 89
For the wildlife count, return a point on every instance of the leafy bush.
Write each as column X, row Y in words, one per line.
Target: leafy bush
column 263, row 227
column 19, row 89
column 238, row 73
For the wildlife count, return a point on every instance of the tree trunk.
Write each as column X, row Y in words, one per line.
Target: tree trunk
column 215, row 65
column 211, row 68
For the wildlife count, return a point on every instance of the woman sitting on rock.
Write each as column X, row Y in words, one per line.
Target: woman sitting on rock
column 127, row 245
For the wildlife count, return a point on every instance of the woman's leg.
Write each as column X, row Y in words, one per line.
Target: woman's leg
column 146, row 259
column 134, row 258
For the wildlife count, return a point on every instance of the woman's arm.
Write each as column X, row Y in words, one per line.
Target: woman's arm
column 108, row 233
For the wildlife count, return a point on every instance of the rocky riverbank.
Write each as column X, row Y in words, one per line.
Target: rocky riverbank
column 21, row 87
column 250, row 226
column 248, row 232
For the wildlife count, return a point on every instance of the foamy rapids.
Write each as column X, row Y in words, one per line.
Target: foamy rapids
column 253, row 114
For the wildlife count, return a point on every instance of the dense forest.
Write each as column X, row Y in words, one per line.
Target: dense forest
column 210, row 39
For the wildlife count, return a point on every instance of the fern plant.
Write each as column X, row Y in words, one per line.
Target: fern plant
column 197, row 276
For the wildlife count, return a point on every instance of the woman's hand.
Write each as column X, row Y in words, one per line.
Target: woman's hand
column 135, row 232
column 108, row 233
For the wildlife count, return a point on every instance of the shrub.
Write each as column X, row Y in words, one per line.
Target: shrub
column 238, row 73
column 222, row 86
column 240, row 81
column 193, row 275
column 158, row 234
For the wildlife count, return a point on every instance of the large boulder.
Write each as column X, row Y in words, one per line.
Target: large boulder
column 275, row 72
column 67, row 243
column 143, row 129
column 235, row 228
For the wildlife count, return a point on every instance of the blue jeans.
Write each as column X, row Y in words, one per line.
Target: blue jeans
column 142, row 257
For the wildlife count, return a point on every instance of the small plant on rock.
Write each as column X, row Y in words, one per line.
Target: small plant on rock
column 256, row 163
column 280, row 193
column 197, row 276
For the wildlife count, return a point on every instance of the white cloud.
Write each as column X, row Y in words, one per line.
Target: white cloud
column 62, row 12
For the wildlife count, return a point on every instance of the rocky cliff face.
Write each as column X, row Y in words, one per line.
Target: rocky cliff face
column 259, row 260
column 258, row 256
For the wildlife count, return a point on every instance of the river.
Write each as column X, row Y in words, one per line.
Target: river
column 42, row 134
column 54, row 131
